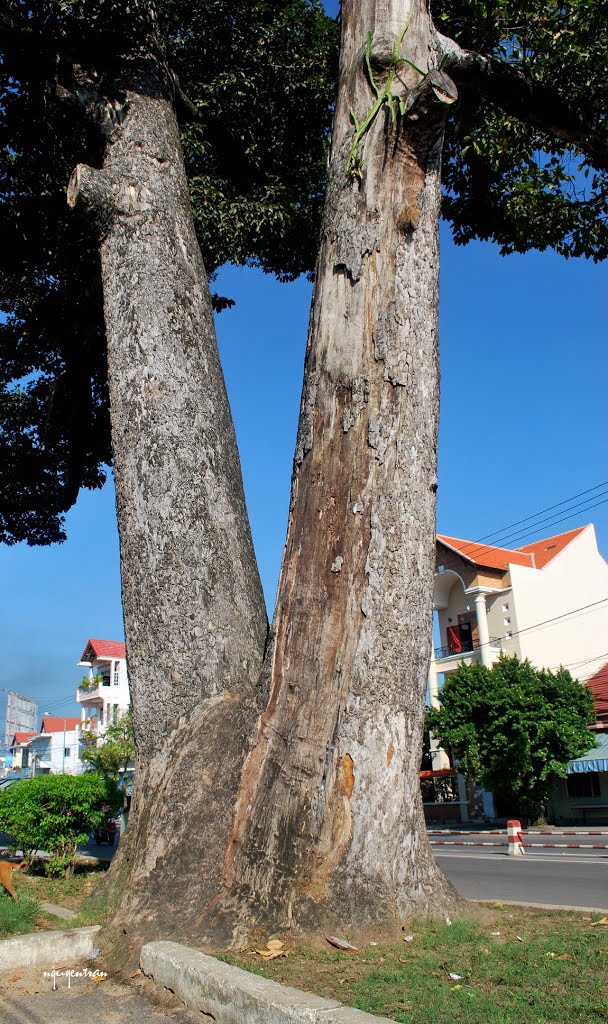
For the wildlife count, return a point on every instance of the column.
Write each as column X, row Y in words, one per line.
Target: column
column 439, row 758
column 482, row 627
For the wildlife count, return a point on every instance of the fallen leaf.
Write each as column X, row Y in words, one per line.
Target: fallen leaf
column 97, row 979
column 11, row 980
column 456, row 987
column 271, row 954
column 135, row 973
column 485, row 951
column 564, row 956
column 340, row 943
column 275, row 944
column 594, row 924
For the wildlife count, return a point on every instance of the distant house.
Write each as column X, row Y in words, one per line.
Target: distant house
column 104, row 693
column 546, row 601
column 56, row 748
column 19, row 749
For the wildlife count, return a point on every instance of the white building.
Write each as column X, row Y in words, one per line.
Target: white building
column 55, row 749
column 104, row 693
column 547, row 602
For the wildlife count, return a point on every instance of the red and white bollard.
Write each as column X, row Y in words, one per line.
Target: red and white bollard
column 515, row 846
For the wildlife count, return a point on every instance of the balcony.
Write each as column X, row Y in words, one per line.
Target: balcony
column 464, row 648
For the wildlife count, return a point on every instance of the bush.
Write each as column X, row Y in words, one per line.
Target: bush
column 55, row 813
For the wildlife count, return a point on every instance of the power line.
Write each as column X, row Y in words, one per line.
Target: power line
column 564, row 615
column 474, row 547
column 541, row 512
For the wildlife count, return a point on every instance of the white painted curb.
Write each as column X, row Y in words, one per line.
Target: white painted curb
column 230, row 995
column 49, row 948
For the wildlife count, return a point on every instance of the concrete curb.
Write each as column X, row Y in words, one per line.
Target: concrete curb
column 540, row 906
column 48, row 948
column 230, row 995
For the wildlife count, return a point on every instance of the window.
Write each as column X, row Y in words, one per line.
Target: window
column 583, row 785
column 66, row 751
column 115, row 714
column 507, row 621
column 116, row 673
column 505, row 607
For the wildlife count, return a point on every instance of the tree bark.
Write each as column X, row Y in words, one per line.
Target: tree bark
column 195, row 619
column 329, row 830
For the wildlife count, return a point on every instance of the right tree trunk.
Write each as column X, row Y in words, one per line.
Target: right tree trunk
column 329, row 829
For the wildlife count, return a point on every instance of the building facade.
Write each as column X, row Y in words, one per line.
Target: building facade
column 103, row 694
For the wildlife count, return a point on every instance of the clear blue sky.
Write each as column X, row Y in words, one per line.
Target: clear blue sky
column 523, row 426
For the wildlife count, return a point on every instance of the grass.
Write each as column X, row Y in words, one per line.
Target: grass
column 543, row 968
column 26, row 915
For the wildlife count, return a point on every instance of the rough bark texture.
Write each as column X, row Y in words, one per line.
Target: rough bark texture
column 195, row 619
column 329, row 827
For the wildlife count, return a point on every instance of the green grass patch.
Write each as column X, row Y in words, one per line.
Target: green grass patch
column 17, row 918
column 75, row 892
column 542, row 968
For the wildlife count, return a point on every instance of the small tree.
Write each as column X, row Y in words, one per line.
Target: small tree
column 55, row 813
column 514, row 728
column 113, row 757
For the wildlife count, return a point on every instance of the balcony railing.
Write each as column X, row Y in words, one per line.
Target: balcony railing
column 465, row 647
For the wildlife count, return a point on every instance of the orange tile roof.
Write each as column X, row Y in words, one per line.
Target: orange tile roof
column 22, row 737
column 51, row 723
column 104, row 649
column 545, row 550
column 598, row 684
column 535, row 556
column 485, row 554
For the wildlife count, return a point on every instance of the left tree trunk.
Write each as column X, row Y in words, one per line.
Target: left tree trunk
column 195, row 619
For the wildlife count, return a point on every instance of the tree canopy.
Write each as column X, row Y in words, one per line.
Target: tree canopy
column 514, row 728
column 525, row 164
column 254, row 84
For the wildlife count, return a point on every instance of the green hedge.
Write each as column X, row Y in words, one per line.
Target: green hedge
column 56, row 813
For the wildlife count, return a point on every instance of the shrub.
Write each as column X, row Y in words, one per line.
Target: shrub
column 17, row 918
column 55, row 813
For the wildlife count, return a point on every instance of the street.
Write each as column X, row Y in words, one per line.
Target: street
column 559, row 874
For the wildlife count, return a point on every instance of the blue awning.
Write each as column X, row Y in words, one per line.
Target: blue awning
column 595, row 760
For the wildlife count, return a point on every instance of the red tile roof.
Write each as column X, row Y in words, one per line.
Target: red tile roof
column 535, row 556
column 104, row 649
column 545, row 550
column 50, row 723
column 22, row 737
column 485, row 554
column 598, row 684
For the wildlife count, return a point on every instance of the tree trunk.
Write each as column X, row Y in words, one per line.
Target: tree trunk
column 329, row 829
column 195, row 619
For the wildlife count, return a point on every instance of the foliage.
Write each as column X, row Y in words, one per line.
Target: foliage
column 17, row 917
column 514, row 728
column 506, row 179
column 55, row 813
column 112, row 757
column 90, row 684
column 260, row 78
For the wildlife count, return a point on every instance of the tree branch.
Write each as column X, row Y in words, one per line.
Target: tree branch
column 516, row 93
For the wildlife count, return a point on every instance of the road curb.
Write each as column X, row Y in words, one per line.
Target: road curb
column 230, row 995
column 48, row 948
column 540, row 906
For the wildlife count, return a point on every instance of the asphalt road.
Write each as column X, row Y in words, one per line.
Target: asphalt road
column 550, row 877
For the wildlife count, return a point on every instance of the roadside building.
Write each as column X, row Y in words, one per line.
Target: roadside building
column 103, row 694
column 546, row 601
column 56, row 748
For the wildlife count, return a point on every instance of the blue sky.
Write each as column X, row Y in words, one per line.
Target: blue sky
column 523, row 426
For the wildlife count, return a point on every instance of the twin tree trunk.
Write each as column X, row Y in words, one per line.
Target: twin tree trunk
column 323, row 825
